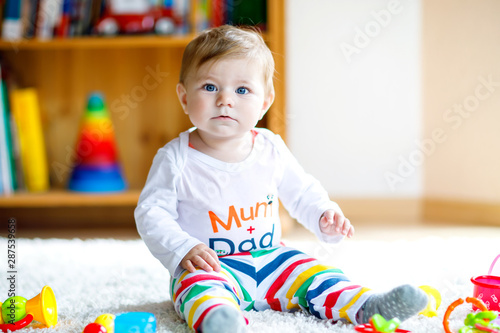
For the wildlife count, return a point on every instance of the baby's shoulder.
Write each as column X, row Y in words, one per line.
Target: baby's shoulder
column 271, row 138
column 175, row 151
column 269, row 135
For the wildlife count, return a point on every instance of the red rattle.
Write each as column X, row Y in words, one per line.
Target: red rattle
column 17, row 325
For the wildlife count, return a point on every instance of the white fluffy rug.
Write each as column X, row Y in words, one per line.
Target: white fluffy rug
column 99, row 276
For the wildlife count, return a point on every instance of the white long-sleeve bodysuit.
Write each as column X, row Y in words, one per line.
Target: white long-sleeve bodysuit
column 191, row 198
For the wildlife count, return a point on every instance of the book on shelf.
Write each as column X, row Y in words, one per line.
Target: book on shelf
column 11, row 24
column 6, row 175
column 6, row 187
column 26, row 113
column 29, row 16
column 62, row 26
column 49, row 14
column 48, row 19
column 218, row 13
column 212, row 13
column 250, row 12
column 8, row 178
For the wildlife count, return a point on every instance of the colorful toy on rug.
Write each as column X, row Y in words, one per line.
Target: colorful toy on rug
column 434, row 301
column 18, row 312
column 475, row 322
column 128, row 322
column 379, row 324
column 487, row 288
column 96, row 167
column 480, row 322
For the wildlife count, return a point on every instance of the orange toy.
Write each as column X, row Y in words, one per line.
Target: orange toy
column 478, row 303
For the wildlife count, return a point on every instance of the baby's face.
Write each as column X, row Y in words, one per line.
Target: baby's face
column 225, row 98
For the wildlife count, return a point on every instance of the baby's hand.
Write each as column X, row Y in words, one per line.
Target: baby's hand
column 203, row 257
column 333, row 223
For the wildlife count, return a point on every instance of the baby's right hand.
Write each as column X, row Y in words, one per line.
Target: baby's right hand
column 203, row 257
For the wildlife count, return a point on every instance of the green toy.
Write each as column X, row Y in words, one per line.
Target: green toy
column 14, row 309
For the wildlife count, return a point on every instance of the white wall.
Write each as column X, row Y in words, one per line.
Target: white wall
column 354, row 95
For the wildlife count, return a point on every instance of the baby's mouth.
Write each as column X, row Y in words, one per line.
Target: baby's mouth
column 221, row 117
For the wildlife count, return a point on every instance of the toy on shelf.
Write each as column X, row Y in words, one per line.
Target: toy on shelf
column 96, row 168
column 487, row 288
column 379, row 324
column 434, row 301
column 136, row 16
column 474, row 323
column 18, row 312
column 137, row 322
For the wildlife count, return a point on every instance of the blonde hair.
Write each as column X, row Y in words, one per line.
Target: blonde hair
column 228, row 41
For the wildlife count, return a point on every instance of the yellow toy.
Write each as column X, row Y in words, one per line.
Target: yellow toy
column 434, row 301
column 18, row 312
column 108, row 321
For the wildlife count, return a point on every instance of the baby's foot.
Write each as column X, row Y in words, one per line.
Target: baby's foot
column 223, row 319
column 401, row 302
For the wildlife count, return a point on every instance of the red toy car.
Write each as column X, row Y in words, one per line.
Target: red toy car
column 135, row 17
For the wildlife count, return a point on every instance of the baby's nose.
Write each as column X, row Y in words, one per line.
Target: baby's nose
column 225, row 99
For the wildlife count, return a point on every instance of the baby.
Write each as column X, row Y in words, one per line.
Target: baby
column 209, row 211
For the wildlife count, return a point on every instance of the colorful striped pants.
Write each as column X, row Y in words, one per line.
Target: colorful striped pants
column 282, row 279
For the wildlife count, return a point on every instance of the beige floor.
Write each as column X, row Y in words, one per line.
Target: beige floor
column 364, row 231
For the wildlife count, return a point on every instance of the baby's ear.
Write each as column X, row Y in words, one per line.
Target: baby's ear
column 268, row 101
column 182, row 94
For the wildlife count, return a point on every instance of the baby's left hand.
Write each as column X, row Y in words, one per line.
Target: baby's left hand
column 333, row 223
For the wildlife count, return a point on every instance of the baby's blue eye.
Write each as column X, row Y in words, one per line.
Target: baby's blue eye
column 242, row 90
column 210, row 87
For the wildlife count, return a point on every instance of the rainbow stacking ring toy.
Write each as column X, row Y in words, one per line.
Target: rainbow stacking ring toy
column 96, row 167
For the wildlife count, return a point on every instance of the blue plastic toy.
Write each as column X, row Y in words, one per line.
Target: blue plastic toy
column 128, row 322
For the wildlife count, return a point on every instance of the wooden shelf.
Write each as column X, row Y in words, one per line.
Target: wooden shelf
column 97, row 42
column 61, row 198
